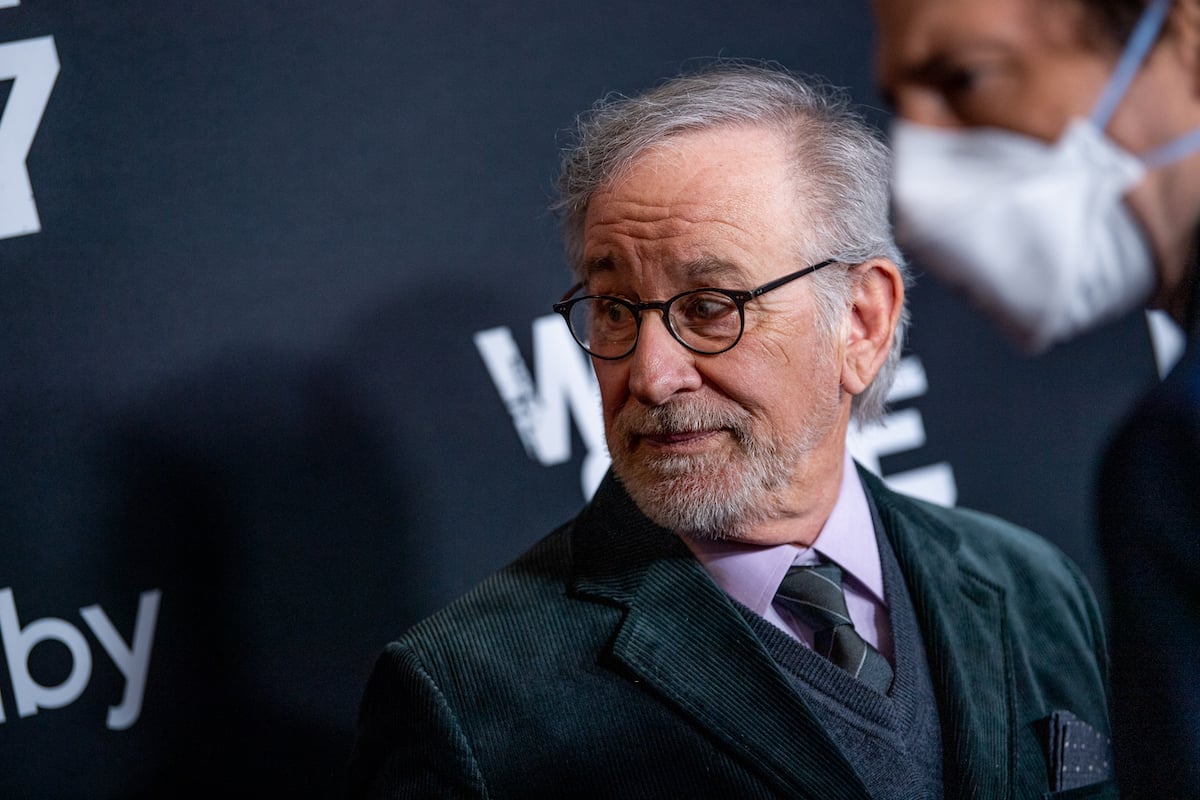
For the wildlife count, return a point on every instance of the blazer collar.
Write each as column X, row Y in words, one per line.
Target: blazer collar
column 683, row 637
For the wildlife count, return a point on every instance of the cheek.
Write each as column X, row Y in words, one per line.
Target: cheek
column 782, row 359
column 779, row 382
column 751, row 378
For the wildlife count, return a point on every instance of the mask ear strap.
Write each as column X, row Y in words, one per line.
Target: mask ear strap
column 1174, row 150
column 1136, row 49
column 1141, row 41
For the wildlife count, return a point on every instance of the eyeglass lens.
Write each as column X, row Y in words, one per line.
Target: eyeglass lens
column 707, row 322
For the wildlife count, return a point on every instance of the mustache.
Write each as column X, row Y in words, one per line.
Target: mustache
column 680, row 417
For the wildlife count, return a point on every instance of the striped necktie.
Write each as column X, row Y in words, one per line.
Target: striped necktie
column 813, row 593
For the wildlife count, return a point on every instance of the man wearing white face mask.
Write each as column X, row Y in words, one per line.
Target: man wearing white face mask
column 1047, row 165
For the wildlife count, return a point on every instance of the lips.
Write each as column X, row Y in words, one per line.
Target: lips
column 678, row 439
column 678, row 429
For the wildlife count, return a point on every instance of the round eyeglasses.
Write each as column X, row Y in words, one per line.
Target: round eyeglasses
column 706, row 321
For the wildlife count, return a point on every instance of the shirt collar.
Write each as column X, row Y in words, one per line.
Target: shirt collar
column 751, row 574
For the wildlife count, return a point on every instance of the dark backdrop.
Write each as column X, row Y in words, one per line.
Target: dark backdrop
column 249, row 430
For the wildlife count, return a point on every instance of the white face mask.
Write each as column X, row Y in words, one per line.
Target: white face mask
column 1036, row 234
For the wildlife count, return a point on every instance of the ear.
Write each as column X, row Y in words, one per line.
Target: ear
column 878, row 300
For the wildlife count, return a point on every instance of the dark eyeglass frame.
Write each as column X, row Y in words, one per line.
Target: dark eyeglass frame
column 739, row 298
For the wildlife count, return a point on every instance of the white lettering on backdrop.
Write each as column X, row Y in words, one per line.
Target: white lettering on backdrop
column 132, row 660
column 32, row 65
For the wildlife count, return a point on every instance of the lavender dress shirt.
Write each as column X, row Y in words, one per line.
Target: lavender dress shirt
column 751, row 574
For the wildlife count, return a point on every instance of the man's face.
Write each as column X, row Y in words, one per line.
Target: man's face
column 1024, row 65
column 728, row 445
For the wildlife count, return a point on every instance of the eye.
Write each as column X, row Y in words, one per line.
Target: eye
column 610, row 312
column 956, row 81
column 975, row 89
column 705, row 311
column 959, row 81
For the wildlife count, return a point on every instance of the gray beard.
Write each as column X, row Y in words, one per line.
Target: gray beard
column 713, row 495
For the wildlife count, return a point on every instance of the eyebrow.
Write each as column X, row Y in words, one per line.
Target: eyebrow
column 704, row 268
column 597, row 266
column 708, row 267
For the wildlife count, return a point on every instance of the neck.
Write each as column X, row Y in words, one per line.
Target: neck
column 803, row 511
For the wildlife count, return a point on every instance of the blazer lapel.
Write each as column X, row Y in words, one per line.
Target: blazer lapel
column 683, row 636
column 961, row 615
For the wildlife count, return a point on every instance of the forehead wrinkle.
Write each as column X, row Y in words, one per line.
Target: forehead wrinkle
column 618, row 232
column 671, row 224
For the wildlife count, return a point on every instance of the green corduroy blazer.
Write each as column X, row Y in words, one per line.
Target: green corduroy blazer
column 606, row 663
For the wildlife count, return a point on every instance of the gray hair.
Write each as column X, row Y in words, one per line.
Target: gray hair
column 841, row 162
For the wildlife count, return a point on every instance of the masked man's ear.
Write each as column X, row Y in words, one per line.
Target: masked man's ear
column 877, row 303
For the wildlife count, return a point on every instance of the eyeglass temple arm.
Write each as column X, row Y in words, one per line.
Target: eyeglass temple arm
column 775, row 284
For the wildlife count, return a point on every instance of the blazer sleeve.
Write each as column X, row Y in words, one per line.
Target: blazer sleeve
column 409, row 742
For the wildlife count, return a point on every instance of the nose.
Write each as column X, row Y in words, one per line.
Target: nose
column 660, row 366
